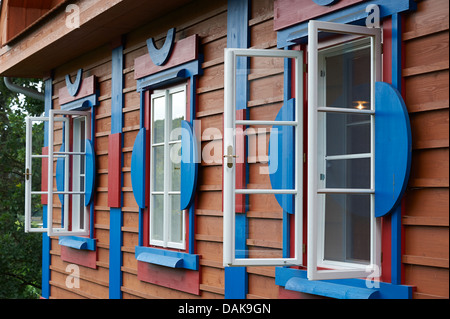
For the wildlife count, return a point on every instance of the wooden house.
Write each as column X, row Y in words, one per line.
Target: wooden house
column 238, row 148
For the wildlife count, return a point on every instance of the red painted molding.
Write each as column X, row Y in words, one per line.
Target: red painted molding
column 291, row 12
column 114, row 170
column 175, row 278
column 44, row 176
column 87, row 88
column 87, row 258
column 184, row 51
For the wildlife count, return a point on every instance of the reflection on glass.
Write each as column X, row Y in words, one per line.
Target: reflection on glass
column 175, row 167
column 178, row 109
column 176, row 220
column 347, row 228
column 348, row 75
column 347, row 134
column 158, row 119
column 348, row 173
column 158, row 168
column 157, row 217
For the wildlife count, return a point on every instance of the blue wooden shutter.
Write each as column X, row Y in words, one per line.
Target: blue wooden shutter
column 393, row 148
column 189, row 165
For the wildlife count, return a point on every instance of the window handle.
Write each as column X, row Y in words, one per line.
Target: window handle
column 27, row 174
column 230, row 156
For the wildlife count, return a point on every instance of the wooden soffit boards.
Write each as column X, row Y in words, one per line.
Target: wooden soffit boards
column 51, row 43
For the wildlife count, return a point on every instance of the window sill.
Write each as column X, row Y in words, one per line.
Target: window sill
column 167, row 258
column 296, row 280
column 79, row 243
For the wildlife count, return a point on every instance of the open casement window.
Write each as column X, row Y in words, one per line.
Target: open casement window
column 68, row 160
column 343, row 233
column 258, row 147
column 167, row 220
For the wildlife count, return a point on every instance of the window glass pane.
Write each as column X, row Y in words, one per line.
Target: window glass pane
column 157, row 217
column 175, row 167
column 176, row 220
column 348, row 173
column 264, row 237
column 347, row 73
column 178, row 108
column 347, row 228
column 37, row 219
column 158, row 168
column 159, row 107
column 347, row 134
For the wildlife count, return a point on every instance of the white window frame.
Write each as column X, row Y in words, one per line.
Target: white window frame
column 29, row 156
column 78, row 200
column 230, row 122
column 64, row 230
column 337, row 270
column 166, row 243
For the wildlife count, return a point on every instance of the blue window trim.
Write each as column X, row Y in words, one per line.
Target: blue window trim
column 80, row 243
column 170, row 76
column 81, row 104
column 296, row 280
column 161, row 256
column 167, row 258
column 355, row 14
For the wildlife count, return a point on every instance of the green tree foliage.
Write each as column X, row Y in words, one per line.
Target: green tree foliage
column 20, row 253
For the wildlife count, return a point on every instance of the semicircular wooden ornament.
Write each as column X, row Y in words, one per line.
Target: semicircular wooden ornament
column 74, row 87
column 160, row 56
column 393, row 148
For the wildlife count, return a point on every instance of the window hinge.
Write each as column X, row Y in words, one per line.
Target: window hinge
column 303, row 248
column 322, row 73
column 305, row 68
column 304, row 157
column 382, row 48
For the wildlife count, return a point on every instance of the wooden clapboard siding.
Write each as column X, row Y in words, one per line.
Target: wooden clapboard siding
column 266, row 97
column 93, row 282
column 426, row 204
column 208, row 20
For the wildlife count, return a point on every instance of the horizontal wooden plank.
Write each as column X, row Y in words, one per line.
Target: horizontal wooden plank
column 425, row 221
column 425, row 261
column 427, row 88
column 427, row 280
column 430, row 50
column 428, row 68
column 430, row 129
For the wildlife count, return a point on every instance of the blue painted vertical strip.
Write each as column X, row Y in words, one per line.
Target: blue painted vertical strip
column 142, row 125
column 91, row 215
column 236, row 279
column 396, row 216
column 115, row 231
column 46, row 242
column 192, row 112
